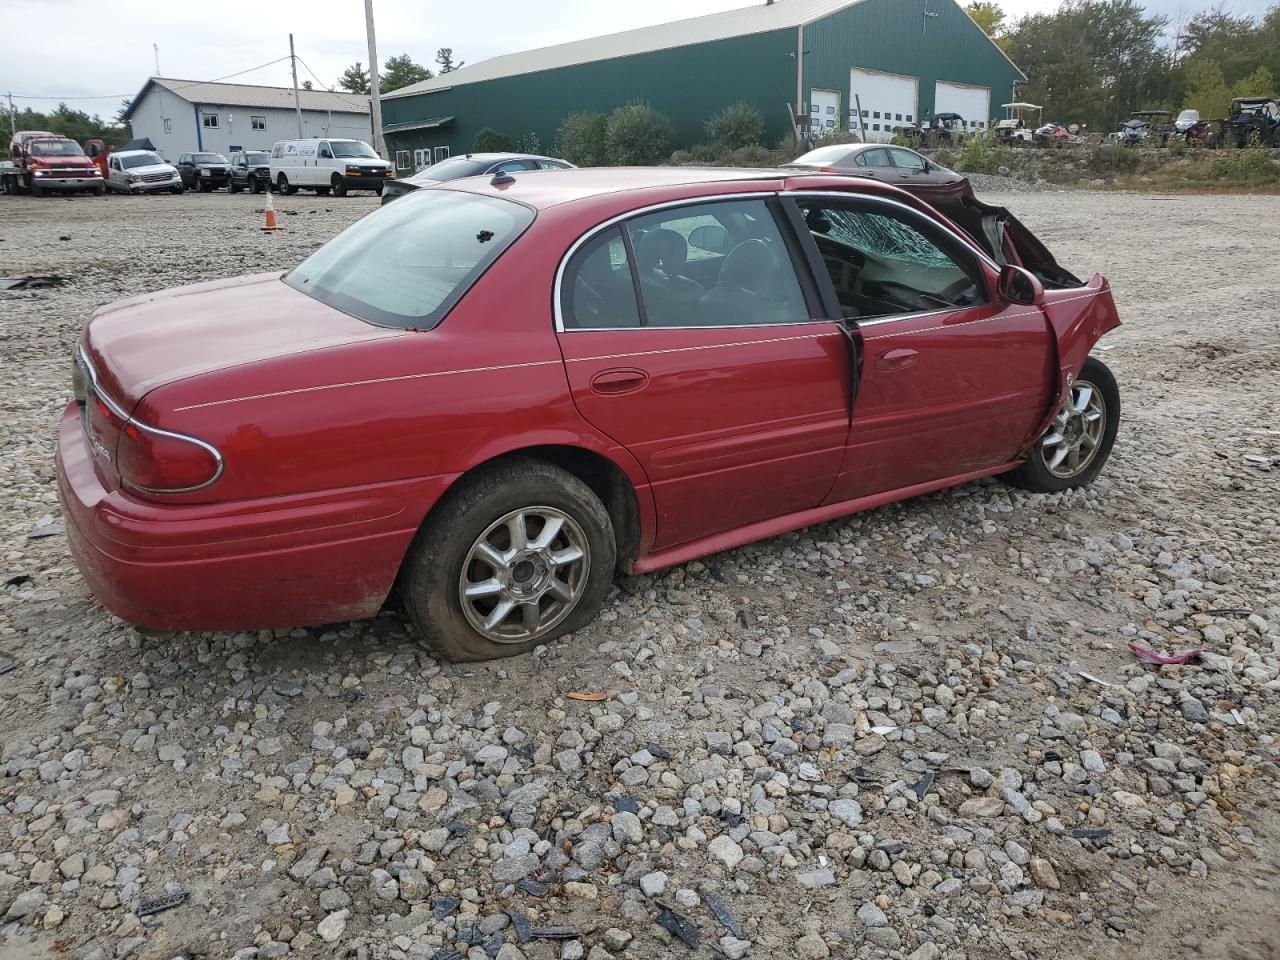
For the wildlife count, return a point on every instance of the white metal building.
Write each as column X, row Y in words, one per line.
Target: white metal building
column 182, row 116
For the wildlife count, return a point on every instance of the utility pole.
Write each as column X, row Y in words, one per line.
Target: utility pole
column 375, row 103
column 297, row 101
column 13, row 118
column 156, row 47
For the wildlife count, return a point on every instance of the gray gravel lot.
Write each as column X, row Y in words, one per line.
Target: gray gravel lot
column 914, row 733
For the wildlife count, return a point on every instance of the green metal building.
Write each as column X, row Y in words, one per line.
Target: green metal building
column 868, row 65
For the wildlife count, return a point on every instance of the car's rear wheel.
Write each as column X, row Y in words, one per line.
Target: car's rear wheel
column 284, row 186
column 520, row 554
column 1079, row 439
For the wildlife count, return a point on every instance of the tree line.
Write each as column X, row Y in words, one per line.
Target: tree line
column 397, row 72
column 1095, row 61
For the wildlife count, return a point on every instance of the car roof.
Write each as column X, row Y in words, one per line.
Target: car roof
column 543, row 189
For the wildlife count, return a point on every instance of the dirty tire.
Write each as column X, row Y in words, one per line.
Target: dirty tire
column 99, row 190
column 1035, row 475
column 232, row 186
column 429, row 581
column 284, row 186
column 339, row 187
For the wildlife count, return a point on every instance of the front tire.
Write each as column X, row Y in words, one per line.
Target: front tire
column 1079, row 439
column 232, row 186
column 284, row 186
column 339, row 188
column 255, row 186
column 519, row 554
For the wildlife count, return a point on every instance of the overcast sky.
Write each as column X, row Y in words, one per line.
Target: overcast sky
column 90, row 53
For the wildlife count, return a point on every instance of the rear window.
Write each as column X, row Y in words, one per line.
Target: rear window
column 409, row 262
column 452, row 169
column 825, row 155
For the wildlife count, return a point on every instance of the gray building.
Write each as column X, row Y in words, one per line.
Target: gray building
column 182, row 116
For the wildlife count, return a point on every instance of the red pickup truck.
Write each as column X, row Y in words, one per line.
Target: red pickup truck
column 45, row 162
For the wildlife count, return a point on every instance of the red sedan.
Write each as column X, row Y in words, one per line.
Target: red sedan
column 497, row 393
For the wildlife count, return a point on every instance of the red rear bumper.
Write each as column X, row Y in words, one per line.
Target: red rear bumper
column 279, row 562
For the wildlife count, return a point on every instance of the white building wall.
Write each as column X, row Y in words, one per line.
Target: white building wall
column 177, row 126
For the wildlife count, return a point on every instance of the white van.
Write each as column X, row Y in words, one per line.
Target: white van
column 329, row 164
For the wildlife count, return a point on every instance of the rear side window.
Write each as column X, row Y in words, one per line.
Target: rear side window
column 409, row 262
column 598, row 291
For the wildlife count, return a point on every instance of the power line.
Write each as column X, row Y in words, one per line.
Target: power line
column 328, row 89
column 117, row 96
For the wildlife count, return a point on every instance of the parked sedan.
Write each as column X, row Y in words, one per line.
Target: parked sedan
column 877, row 161
column 497, row 396
column 471, row 165
column 203, row 171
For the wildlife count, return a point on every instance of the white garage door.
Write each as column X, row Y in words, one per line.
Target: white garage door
column 888, row 102
column 824, row 111
column 972, row 103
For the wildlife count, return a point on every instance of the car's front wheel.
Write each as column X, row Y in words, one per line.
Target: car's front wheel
column 283, row 186
column 520, row 554
column 1080, row 436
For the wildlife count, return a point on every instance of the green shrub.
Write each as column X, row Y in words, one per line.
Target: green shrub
column 1116, row 158
column 489, row 140
column 529, row 143
column 636, row 135
column 581, row 139
column 1250, row 166
column 736, row 126
column 980, row 155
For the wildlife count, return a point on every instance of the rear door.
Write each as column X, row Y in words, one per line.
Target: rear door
column 954, row 379
column 690, row 339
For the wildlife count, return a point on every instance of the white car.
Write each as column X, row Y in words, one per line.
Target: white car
column 328, row 165
column 141, row 171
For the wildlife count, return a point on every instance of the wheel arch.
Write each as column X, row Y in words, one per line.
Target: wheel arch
column 632, row 524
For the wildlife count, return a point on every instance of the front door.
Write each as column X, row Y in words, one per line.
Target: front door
column 689, row 338
column 953, row 379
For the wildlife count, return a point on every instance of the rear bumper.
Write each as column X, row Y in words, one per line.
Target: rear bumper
column 280, row 562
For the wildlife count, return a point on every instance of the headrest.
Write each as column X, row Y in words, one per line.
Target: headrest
column 662, row 248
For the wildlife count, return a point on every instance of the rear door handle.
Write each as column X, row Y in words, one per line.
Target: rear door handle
column 617, row 381
column 897, row 359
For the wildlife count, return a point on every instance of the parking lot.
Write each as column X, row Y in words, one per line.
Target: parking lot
column 917, row 732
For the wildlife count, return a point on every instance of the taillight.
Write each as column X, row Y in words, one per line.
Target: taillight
column 159, row 461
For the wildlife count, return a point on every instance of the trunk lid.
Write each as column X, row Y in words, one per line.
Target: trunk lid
column 148, row 341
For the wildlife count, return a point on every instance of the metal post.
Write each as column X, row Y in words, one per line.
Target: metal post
column 800, row 124
column 156, row 47
column 862, row 127
column 297, row 101
column 375, row 102
column 13, row 118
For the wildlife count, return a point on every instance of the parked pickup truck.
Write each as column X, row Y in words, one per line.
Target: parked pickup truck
column 203, row 171
column 46, row 162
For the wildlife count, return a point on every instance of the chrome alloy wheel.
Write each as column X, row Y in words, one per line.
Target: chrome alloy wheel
column 1076, row 431
column 524, row 574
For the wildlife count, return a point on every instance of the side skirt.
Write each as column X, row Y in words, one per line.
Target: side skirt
column 684, row 552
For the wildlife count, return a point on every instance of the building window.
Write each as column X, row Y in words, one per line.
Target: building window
column 210, row 120
column 897, row 116
column 258, row 123
column 876, row 115
column 402, row 159
column 442, row 153
column 421, row 158
column 875, row 126
column 168, row 125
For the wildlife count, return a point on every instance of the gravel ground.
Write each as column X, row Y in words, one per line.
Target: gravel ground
column 912, row 733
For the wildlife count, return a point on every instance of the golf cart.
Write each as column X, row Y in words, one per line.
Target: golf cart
column 1253, row 121
column 1014, row 129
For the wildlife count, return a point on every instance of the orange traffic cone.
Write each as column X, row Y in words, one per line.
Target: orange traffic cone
column 270, row 225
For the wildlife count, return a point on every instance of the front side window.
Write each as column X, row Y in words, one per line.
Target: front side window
column 906, row 159
column 408, row 263
column 884, row 262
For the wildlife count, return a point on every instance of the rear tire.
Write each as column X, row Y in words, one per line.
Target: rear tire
column 476, row 519
column 1074, row 449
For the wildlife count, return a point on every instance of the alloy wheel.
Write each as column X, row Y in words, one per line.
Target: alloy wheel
column 524, row 574
column 1075, row 434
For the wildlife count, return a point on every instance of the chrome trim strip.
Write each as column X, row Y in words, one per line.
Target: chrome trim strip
column 91, row 377
column 705, row 346
column 363, row 383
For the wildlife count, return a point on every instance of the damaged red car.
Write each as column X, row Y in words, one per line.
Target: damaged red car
column 497, row 394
